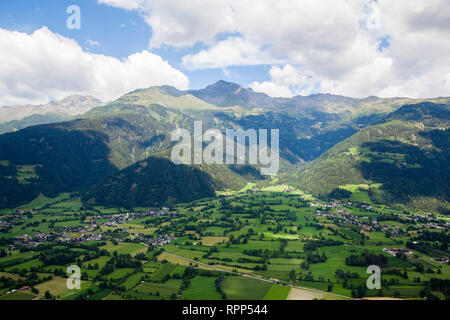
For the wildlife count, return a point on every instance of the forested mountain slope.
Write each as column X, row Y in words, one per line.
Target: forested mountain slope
column 404, row 160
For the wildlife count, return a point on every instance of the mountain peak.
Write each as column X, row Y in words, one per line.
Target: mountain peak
column 224, row 86
column 229, row 94
column 78, row 99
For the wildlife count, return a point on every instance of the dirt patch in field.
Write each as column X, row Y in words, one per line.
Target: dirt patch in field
column 382, row 298
column 211, row 241
column 299, row 294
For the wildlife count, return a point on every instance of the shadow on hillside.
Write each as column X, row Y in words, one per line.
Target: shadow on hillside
column 64, row 160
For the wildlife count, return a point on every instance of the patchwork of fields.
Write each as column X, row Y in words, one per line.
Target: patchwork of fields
column 266, row 245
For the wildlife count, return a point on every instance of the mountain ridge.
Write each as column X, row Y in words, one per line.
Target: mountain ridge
column 13, row 118
column 138, row 126
column 408, row 154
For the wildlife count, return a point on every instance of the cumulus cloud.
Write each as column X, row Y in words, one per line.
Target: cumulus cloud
column 233, row 51
column 181, row 23
column 272, row 89
column 128, row 4
column 44, row 64
column 286, row 82
column 335, row 43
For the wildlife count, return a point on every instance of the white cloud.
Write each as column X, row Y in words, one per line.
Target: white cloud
column 233, row 51
column 287, row 82
column 124, row 4
column 42, row 64
column 272, row 89
column 335, row 42
column 181, row 23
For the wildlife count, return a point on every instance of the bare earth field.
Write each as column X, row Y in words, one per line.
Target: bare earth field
column 300, row 294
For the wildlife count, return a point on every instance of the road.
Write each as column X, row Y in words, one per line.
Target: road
column 257, row 278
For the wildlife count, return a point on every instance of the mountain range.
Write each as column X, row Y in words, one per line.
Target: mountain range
column 19, row 117
column 116, row 154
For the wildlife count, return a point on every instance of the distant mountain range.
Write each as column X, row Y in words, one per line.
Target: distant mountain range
column 325, row 141
column 19, row 117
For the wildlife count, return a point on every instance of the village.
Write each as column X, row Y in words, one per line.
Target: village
column 336, row 211
column 91, row 231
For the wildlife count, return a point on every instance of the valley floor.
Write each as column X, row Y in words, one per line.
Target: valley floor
column 260, row 243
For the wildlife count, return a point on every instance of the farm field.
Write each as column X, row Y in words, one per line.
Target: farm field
column 276, row 292
column 274, row 244
column 241, row 288
column 202, row 288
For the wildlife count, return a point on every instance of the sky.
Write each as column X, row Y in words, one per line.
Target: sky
column 283, row 48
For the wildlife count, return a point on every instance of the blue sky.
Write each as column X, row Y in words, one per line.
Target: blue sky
column 355, row 48
column 119, row 32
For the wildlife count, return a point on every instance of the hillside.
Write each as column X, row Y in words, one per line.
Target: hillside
column 167, row 96
column 33, row 120
column 403, row 160
column 227, row 94
column 153, row 182
column 74, row 155
column 50, row 159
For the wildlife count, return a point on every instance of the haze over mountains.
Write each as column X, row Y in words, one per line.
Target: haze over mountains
column 18, row 117
column 326, row 143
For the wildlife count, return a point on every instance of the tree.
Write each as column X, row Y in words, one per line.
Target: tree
column 292, row 275
column 48, row 295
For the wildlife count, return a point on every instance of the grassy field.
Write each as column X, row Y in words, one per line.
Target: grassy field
column 58, row 287
column 119, row 274
column 211, row 241
column 23, row 296
column 242, row 288
column 164, row 270
column 126, row 248
column 160, row 289
column 275, row 234
column 202, row 288
column 10, row 275
column 277, row 292
column 16, row 258
column 132, row 281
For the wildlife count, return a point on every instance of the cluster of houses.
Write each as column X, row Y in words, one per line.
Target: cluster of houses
column 335, row 211
column 64, row 238
column 332, row 205
column 160, row 213
column 433, row 225
column 395, row 231
column 395, row 251
column 428, row 220
column 367, row 207
column 20, row 212
column 9, row 221
column 90, row 232
column 5, row 224
column 343, row 217
column 117, row 219
column 26, row 240
column 365, row 223
column 161, row 240
column 337, row 204
column 60, row 237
